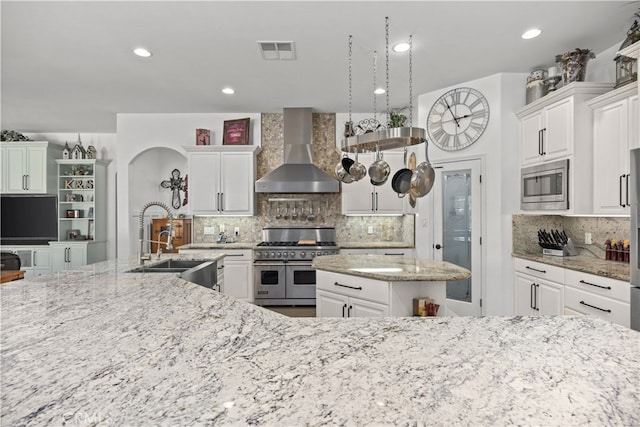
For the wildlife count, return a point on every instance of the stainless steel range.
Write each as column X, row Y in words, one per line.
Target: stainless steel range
column 282, row 268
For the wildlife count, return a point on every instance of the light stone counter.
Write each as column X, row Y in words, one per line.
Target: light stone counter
column 219, row 246
column 583, row 263
column 392, row 269
column 99, row 346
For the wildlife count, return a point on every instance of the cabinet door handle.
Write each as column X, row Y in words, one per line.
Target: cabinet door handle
column 544, row 131
column 359, row 288
column 540, row 142
column 532, row 296
column 620, row 178
column 535, row 269
column 343, row 308
column 597, row 286
column 222, row 201
column 376, row 201
column 349, row 311
column 537, row 307
column 33, row 259
column 373, row 203
column 627, row 179
column 597, row 308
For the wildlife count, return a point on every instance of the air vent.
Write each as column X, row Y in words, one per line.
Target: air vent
column 277, row 50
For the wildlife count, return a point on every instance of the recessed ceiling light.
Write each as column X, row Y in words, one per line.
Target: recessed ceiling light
column 530, row 34
column 228, row 90
column 379, row 91
column 401, row 47
column 140, row 51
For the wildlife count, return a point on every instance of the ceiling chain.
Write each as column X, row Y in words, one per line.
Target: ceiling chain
column 350, row 98
column 410, row 80
column 387, row 63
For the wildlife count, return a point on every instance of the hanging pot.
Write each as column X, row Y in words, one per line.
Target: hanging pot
column 423, row 177
column 342, row 175
column 347, row 163
column 357, row 170
column 379, row 170
column 401, row 181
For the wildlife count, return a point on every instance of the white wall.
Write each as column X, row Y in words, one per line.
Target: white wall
column 150, row 146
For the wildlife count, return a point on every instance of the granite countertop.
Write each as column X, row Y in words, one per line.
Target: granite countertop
column 211, row 245
column 374, row 245
column 103, row 347
column 381, row 267
column 583, row 262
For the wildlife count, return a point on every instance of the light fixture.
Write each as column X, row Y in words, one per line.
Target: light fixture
column 531, row 34
column 228, row 91
column 379, row 91
column 401, row 47
column 384, row 137
column 142, row 52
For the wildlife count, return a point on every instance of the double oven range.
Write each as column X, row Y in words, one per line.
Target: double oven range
column 282, row 264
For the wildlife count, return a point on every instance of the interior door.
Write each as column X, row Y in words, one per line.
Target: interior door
column 457, row 230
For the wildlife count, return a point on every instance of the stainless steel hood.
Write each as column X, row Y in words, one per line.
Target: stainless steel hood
column 298, row 174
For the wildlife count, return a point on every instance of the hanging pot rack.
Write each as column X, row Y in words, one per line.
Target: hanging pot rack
column 385, row 138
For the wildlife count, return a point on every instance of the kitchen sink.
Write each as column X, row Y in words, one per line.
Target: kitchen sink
column 168, row 266
column 203, row 273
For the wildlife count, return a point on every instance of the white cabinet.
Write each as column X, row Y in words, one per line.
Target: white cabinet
column 598, row 296
column 343, row 295
column 222, row 179
column 34, row 260
column 29, row 167
column 69, row 255
column 539, row 289
column 615, row 131
column 238, row 274
column 364, row 198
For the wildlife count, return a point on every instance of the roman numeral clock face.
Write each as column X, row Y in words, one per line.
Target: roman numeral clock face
column 458, row 118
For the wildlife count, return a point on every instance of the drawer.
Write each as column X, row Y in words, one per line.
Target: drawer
column 352, row 286
column 596, row 305
column 611, row 288
column 233, row 255
column 540, row 270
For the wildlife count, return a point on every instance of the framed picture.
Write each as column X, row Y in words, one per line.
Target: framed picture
column 73, row 234
column 91, row 230
column 203, row 137
column 236, row 132
column 70, row 213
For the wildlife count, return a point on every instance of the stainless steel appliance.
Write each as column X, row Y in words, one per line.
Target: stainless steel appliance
column 545, row 186
column 282, row 264
column 635, row 239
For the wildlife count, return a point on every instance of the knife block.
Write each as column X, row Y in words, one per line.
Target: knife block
column 566, row 250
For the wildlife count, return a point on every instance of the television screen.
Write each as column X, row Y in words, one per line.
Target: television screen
column 28, row 219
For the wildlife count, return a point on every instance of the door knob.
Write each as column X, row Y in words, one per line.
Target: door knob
column 437, row 246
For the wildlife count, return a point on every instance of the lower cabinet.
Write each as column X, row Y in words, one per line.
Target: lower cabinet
column 34, row 260
column 537, row 297
column 238, row 274
column 401, row 252
column 71, row 255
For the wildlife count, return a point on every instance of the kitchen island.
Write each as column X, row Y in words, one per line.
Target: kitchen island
column 379, row 285
column 101, row 346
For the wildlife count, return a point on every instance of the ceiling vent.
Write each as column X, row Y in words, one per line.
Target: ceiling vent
column 277, row 50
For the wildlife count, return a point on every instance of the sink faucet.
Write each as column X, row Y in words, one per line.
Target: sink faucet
column 142, row 257
column 222, row 238
column 167, row 244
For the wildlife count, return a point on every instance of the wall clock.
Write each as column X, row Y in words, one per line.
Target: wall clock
column 458, row 118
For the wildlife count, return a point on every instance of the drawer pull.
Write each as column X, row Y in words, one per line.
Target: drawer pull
column 597, row 286
column 233, row 255
column 597, row 308
column 535, row 269
column 358, row 288
column 397, row 254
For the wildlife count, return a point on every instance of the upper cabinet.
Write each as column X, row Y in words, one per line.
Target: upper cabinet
column 364, row 198
column 615, row 132
column 550, row 126
column 29, row 167
column 221, row 179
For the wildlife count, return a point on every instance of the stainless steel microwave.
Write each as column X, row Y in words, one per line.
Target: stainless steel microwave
column 545, row 186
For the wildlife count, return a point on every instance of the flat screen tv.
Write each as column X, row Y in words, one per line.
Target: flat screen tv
column 28, row 219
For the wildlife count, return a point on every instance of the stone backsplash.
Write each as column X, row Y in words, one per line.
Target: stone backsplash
column 326, row 208
column 525, row 229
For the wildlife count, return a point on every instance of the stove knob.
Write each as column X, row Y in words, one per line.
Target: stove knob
column 293, row 254
column 258, row 254
column 313, row 254
column 325, row 253
column 279, row 254
column 303, row 254
column 285, row 254
column 273, row 254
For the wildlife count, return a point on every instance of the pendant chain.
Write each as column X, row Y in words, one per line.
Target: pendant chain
column 375, row 69
column 350, row 44
column 387, row 63
column 410, row 80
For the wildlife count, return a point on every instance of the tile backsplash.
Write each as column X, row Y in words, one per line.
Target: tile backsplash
column 525, row 228
column 327, row 208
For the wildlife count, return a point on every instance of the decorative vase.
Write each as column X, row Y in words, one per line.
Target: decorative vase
column 574, row 64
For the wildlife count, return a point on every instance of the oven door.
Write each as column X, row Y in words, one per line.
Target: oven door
column 269, row 280
column 301, row 280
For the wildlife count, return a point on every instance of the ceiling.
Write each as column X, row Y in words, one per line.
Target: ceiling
column 69, row 67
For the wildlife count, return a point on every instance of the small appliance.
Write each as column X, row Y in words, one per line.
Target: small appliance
column 545, row 186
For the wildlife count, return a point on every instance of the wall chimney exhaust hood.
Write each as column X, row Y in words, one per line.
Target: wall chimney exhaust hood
column 297, row 174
